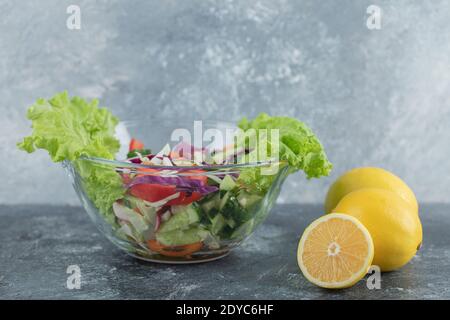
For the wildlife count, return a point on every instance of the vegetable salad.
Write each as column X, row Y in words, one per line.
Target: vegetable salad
column 169, row 205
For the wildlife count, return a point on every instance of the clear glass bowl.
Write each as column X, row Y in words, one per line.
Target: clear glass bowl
column 198, row 228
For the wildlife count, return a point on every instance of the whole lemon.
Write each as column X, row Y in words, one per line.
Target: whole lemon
column 368, row 177
column 396, row 232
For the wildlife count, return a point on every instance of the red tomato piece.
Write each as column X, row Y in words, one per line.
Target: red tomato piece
column 156, row 192
column 184, row 199
column 152, row 192
column 136, row 144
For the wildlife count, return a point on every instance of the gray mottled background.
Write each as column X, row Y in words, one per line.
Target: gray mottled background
column 373, row 97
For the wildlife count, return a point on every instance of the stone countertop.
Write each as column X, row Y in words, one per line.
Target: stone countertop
column 38, row 243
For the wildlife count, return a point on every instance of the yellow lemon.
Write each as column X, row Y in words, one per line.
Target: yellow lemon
column 335, row 251
column 395, row 230
column 368, row 177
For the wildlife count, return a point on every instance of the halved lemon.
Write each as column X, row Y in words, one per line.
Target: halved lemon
column 335, row 251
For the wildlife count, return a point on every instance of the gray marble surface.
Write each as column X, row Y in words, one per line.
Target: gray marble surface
column 374, row 97
column 38, row 243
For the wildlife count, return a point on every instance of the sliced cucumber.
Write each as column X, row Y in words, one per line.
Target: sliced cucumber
column 131, row 201
column 217, row 224
column 149, row 213
column 182, row 218
column 212, row 203
column 231, row 223
column 227, row 183
column 224, row 200
column 181, row 237
column 246, row 200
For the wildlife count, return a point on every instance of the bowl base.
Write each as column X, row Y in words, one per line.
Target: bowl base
column 194, row 259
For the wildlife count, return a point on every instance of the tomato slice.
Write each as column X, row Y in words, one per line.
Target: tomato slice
column 155, row 192
column 152, row 192
column 136, row 144
column 174, row 251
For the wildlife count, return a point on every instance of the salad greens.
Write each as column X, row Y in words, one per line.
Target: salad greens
column 298, row 146
column 69, row 128
column 175, row 212
column 136, row 152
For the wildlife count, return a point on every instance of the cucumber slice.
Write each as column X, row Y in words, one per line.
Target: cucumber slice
column 217, row 224
column 227, row 183
column 181, row 237
column 224, row 200
column 148, row 212
column 212, row 203
column 246, row 200
column 231, row 223
column 183, row 217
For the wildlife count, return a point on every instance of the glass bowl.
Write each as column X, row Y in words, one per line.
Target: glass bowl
column 123, row 198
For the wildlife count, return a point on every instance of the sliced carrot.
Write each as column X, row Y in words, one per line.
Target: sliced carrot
column 174, row 251
column 198, row 175
column 142, row 171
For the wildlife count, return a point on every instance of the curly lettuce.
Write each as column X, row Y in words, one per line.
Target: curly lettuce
column 297, row 146
column 70, row 128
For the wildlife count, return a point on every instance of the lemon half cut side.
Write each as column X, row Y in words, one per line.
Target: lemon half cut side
column 335, row 251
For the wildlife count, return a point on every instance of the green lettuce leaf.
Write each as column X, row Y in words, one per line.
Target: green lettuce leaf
column 69, row 128
column 254, row 182
column 298, row 146
column 102, row 184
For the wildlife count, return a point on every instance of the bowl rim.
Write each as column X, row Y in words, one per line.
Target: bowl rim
column 208, row 168
column 211, row 168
